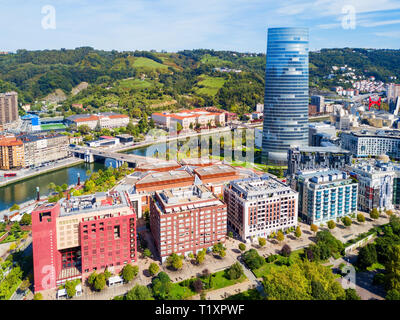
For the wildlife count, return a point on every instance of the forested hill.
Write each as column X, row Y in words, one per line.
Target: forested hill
column 141, row 79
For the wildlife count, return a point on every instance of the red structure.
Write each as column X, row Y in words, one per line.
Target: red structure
column 372, row 102
column 77, row 236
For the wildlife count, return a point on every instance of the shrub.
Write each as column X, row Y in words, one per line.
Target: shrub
column 298, row 232
column 153, row 268
column 379, row 279
column 197, row 285
column 272, row 258
column 262, row 242
column 331, row 224
column 374, row 214
column 242, row 247
column 280, row 236
column 360, row 217
column 351, row 294
column 252, row 259
column 174, row 261
column 347, row 221
column 314, row 228
column 38, row 296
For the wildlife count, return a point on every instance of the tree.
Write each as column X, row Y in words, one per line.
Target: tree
column 286, row 250
column 178, row 127
column 360, row 218
column 14, row 207
column 99, row 282
column 252, row 259
column 389, row 212
column 70, row 287
column 234, row 272
column 64, row 187
column 347, row 221
column 84, row 129
column 351, row 294
column 153, row 268
column 129, row 272
column 314, row 228
column 139, row 292
column 26, row 219
column 280, row 236
column 374, row 213
column 146, row 253
column 107, row 274
column 222, row 253
column 298, row 232
column 331, row 224
column 219, row 249
column 200, row 256
column 174, row 261
column 242, row 247
column 92, row 278
column 393, row 295
column 392, row 268
column 367, row 256
column 395, row 224
column 230, row 234
column 38, row 296
column 262, row 242
column 197, row 285
column 161, row 286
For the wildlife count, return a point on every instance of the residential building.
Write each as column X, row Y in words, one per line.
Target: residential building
column 11, row 153
column 44, row 147
column 186, row 220
column 375, row 183
column 319, row 102
column 8, row 107
column 79, row 235
column 259, row 206
column 311, row 158
column 286, row 93
column 367, row 143
column 396, row 187
column 314, row 131
column 325, row 195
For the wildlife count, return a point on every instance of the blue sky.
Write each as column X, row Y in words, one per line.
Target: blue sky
column 172, row 25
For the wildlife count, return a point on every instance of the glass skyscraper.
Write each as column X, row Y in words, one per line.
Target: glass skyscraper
column 286, row 93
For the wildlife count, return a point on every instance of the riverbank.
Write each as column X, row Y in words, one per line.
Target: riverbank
column 70, row 162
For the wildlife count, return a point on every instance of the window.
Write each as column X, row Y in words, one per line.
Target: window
column 117, row 232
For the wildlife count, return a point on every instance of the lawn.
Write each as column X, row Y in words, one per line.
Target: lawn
column 220, row 281
column 215, row 61
column 135, row 84
column 56, row 126
column 142, row 62
column 209, row 85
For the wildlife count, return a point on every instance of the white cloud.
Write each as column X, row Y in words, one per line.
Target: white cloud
column 389, row 34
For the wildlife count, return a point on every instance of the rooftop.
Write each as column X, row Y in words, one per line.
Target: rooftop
column 94, row 202
column 215, row 169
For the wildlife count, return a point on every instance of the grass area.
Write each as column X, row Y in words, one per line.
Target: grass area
column 295, row 256
column 215, row 61
column 220, row 281
column 135, row 84
column 57, row 126
column 251, row 294
column 142, row 62
column 209, row 85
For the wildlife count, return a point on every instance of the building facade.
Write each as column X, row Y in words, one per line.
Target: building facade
column 8, row 107
column 42, row 148
column 76, row 236
column 12, row 154
column 319, row 102
column 311, row 158
column 369, row 143
column 259, row 206
column 286, row 93
column 325, row 195
column 108, row 120
column 375, row 185
column 186, row 220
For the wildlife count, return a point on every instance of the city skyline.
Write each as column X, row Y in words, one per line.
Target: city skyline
column 176, row 25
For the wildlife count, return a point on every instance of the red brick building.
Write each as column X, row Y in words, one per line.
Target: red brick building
column 77, row 236
column 186, row 220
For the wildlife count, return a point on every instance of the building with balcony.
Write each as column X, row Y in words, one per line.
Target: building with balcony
column 79, row 235
column 259, row 206
column 375, row 183
column 12, row 154
column 186, row 220
column 8, row 107
column 325, row 195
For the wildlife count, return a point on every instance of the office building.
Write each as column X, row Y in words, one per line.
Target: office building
column 325, row 195
column 286, row 93
column 375, row 185
column 8, row 107
column 318, row 131
column 259, row 206
column 79, row 235
column 367, row 143
column 186, row 220
column 311, row 158
column 11, row 153
column 396, row 187
column 108, row 120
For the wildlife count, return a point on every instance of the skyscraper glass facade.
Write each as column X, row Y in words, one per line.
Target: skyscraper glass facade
column 286, row 93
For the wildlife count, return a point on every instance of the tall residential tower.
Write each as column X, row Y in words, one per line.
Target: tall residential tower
column 286, row 93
